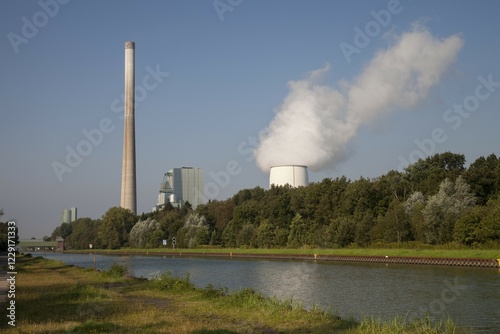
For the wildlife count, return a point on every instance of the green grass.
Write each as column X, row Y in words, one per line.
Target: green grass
column 54, row 298
column 399, row 325
column 408, row 252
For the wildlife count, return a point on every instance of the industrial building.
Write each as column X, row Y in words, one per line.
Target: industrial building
column 293, row 175
column 68, row 216
column 181, row 185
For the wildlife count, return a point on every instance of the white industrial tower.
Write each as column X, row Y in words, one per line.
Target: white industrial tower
column 128, row 193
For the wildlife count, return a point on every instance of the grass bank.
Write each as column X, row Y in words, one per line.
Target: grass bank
column 54, row 298
column 408, row 252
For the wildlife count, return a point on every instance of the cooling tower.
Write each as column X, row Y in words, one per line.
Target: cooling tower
column 294, row 175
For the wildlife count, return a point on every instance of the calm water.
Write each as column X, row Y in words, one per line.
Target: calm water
column 470, row 296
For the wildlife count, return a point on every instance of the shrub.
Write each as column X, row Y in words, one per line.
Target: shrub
column 166, row 281
column 117, row 270
column 212, row 291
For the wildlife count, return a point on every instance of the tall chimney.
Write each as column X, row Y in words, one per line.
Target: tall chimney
column 128, row 194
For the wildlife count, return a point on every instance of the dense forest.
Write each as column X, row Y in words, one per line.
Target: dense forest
column 435, row 201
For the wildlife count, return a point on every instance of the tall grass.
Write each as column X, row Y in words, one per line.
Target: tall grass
column 117, row 270
column 165, row 281
column 401, row 325
column 54, row 298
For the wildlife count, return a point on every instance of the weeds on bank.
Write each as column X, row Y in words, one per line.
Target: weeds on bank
column 166, row 281
column 248, row 300
column 401, row 325
column 57, row 298
column 117, row 270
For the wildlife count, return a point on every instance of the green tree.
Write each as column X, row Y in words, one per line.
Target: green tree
column 393, row 226
column 443, row 209
column 468, row 225
column 84, row 231
column 425, row 175
column 482, row 177
column 246, row 236
column 298, row 232
column 481, row 225
column 194, row 232
column 145, row 234
column 171, row 222
column 230, row 235
column 414, row 207
column 345, row 228
column 490, row 226
column 363, row 230
column 64, row 230
column 266, row 234
column 115, row 227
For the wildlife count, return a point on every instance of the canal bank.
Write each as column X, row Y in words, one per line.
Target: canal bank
column 443, row 261
column 352, row 290
column 77, row 300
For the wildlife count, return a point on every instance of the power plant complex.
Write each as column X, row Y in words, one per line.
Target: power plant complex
column 181, row 185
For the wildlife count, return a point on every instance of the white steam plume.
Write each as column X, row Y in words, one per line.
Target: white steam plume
column 315, row 121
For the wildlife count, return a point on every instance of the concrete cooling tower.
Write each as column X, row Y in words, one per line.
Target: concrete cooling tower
column 294, row 175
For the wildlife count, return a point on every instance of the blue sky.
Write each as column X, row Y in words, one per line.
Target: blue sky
column 228, row 71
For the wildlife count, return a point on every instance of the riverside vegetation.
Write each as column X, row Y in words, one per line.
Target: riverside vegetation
column 55, row 298
column 399, row 250
column 435, row 202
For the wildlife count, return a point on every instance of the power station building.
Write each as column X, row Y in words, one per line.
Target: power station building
column 181, row 185
column 68, row 216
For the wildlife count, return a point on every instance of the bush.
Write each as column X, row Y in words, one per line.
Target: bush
column 117, row 270
column 166, row 281
column 212, row 291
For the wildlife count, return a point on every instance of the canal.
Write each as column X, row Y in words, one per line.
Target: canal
column 469, row 296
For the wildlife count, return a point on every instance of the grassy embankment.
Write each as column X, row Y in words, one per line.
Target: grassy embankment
column 408, row 252
column 54, row 298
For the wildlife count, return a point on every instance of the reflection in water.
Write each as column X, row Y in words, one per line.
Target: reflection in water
column 470, row 296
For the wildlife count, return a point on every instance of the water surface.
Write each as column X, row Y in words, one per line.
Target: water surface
column 469, row 296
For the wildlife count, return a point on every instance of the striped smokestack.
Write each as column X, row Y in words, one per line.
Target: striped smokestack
column 128, row 194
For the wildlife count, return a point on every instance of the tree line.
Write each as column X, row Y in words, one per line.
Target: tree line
column 433, row 201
